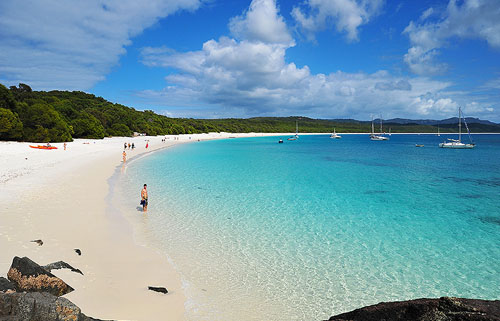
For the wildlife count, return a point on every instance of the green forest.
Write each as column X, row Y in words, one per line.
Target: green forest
column 60, row 116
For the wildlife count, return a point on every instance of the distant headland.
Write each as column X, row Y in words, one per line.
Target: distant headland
column 61, row 116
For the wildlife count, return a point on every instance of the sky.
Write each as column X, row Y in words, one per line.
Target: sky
column 234, row 58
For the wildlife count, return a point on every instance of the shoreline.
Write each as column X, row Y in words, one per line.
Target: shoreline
column 61, row 197
column 65, row 198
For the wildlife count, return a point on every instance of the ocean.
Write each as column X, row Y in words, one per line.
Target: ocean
column 315, row 227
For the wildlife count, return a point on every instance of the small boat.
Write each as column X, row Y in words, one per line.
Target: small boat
column 457, row 143
column 43, row 147
column 296, row 136
column 377, row 137
column 335, row 135
column 419, row 145
column 280, row 141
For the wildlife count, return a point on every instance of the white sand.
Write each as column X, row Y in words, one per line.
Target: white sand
column 60, row 197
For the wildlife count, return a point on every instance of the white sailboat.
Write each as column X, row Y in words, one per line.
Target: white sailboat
column 296, row 136
column 457, row 143
column 335, row 135
column 377, row 137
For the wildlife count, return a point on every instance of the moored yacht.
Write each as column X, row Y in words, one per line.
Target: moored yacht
column 335, row 135
column 380, row 136
column 457, row 143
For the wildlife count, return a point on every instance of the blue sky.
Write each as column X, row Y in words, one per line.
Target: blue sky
column 221, row 58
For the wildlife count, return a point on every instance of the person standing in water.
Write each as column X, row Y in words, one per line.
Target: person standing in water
column 144, row 198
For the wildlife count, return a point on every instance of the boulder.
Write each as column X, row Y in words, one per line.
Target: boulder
column 442, row 309
column 28, row 276
column 39, row 306
column 6, row 285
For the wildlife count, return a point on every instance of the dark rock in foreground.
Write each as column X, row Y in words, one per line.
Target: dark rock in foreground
column 38, row 306
column 6, row 285
column 60, row 265
column 158, row 289
column 28, row 276
column 443, row 309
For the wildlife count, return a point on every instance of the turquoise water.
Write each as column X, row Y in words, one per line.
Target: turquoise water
column 315, row 227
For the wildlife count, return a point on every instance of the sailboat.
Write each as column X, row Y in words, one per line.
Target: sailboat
column 457, row 143
column 296, row 136
column 335, row 135
column 377, row 137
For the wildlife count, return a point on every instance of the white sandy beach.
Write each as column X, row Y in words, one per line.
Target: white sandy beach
column 60, row 197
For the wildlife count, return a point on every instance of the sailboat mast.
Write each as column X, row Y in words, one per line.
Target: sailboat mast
column 373, row 129
column 296, row 127
column 459, row 124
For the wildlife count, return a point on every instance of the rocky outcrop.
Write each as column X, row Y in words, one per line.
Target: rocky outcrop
column 442, row 309
column 6, row 285
column 38, row 306
column 28, row 276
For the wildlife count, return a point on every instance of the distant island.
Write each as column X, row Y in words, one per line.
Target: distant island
column 60, row 116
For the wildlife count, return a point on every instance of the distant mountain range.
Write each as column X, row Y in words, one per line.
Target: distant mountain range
column 448, row 121
column 430, row 122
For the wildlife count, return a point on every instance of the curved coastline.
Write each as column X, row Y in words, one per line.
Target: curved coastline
column 189, row 227
column 133, row 221
column 61, row 197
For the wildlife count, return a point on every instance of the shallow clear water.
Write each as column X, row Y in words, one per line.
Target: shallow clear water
column 315, row 227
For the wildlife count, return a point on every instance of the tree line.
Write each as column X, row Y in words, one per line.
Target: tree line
column 60, row 116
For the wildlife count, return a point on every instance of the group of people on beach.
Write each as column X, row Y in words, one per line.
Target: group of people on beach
column 130, row 146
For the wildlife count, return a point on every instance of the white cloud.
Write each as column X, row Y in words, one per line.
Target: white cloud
column 244, row 78
column 261, row 23
column 492, row 84
column 427, row 13
column 72, row 44
column 425, row 106
column 394, row 85
column 473, row 19
column 346, row 15
column 250, row 76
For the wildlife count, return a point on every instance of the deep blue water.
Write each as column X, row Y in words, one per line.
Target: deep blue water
column 315, row 227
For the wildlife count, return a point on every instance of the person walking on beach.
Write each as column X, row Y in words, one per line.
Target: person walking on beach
column 64, row 146
column 147, row 144
column 144, row 198
column 124, row 156
column 124, row 145
column 133, row 146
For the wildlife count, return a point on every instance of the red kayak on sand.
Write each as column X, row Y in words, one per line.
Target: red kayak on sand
column 43, row 147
